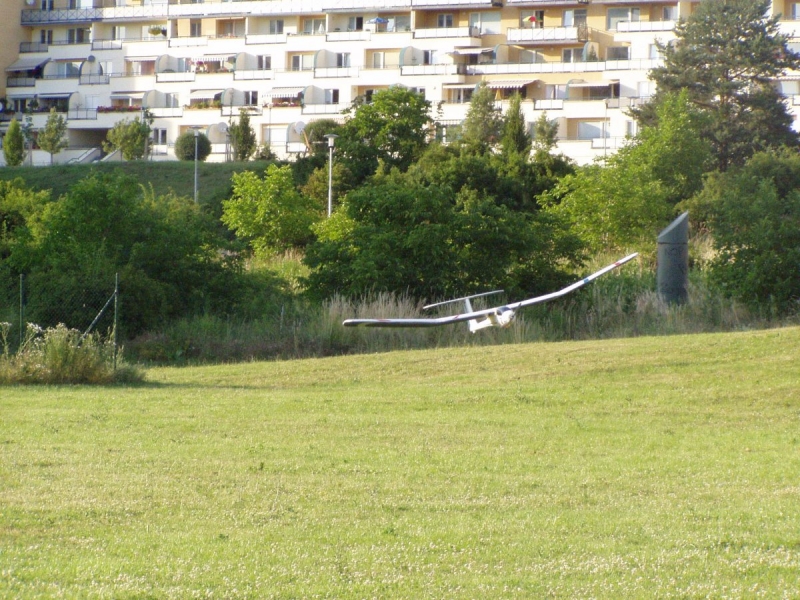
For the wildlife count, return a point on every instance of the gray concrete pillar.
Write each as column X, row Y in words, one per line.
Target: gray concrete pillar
column 673, row 261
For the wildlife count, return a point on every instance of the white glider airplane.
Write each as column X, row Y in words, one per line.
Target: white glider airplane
column 501, row 316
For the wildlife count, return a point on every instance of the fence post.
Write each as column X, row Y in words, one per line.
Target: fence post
column 116, row 316
column 21, row 308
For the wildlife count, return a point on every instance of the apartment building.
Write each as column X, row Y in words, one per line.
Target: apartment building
column 196, row 64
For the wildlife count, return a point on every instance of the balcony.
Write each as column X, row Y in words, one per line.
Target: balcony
column 266, row 38
column 447, row 32
column 17, row 82
column 443, row 69
column 82, row 114
column 545, row 35
column 336, row 72
column 252, row 74
column 229, row 110
column 644, row 26
column 95, row 79
column 170, row 76
column 348, row 36
column 26, row 47
column 322, row 109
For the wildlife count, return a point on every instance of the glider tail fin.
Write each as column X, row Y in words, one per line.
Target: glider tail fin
column 474, row 324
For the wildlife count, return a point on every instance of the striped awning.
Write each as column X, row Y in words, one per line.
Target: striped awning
column 509, row 84
column 127, row 95
column 204, row 94
column 284, row 92
column 26, row 64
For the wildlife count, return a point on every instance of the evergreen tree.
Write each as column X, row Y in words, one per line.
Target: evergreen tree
column 14, row 145
column 52, row 138
column 484, row 123
column 727, row 55
column 515, row 135
column 243, row 138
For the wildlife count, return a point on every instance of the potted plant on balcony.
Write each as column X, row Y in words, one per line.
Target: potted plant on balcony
column 157, row 30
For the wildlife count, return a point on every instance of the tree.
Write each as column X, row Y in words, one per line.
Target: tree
column 545, row 134
column 270, row 213
column 185, row 144
column 243, row 138
column 129, row 137
column 754, row 216
column 627, row 201
column 483, row 124
column 727, row 55
column 515, row 139
column 14, row 144
column 52, row 139
column 405, row 235
column 392, row 129
column 165, row 249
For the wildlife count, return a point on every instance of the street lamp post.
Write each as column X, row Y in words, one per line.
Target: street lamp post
column 196, row 136
column 331, row 142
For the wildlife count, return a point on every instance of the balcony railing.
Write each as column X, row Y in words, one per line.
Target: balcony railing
column 233, row 111
column 16, row 82
column 321, row 109
column 170, row 77
column 252, row 74
column 25, row 47
column 82, row 114
column 647, row 26
column 96, row 79
column 545, row 35
column 447, row 32
column 336, row 72
column 433, row 70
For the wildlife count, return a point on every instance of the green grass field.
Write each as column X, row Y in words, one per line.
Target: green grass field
column 627, row 468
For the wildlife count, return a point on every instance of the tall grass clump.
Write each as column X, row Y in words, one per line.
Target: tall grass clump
column 59, row 355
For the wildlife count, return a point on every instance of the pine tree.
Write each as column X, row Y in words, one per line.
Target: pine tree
column 727, row 55
column 515, row 135
column 243, row 138
column 484, row 122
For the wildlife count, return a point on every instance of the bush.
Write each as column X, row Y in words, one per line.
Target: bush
column 60, row 355
column 185, row 144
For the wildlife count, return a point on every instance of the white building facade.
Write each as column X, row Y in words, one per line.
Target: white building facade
column 288, row 62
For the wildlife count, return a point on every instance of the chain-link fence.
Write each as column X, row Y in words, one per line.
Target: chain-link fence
column 87, row 306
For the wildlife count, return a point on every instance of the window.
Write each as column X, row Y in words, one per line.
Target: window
column 195, row 28
column 618, row 15
column 276, row 26
column 368, row 96
column 171, row 100
column 160, row 137
column 555, row 92
column 92, row 102
column 402, row 23
column 531, row 19
column 429, row 57
column 78, row 36
column 445, row 20
column 251, row 98
column 572, row 55
column 302, row 62
column 575, row 18
column 485, row 22
column 645, row 88
column 670, row 13
column 588, row 130
column 106, row 67
column 313, row 26
column 343, row 60
column 47, row 4
column 618, row 53
column 331, row 96
column 264, row 62
column 355, row 24
column 378, row 60
column 46, row 36
column 654, row 53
